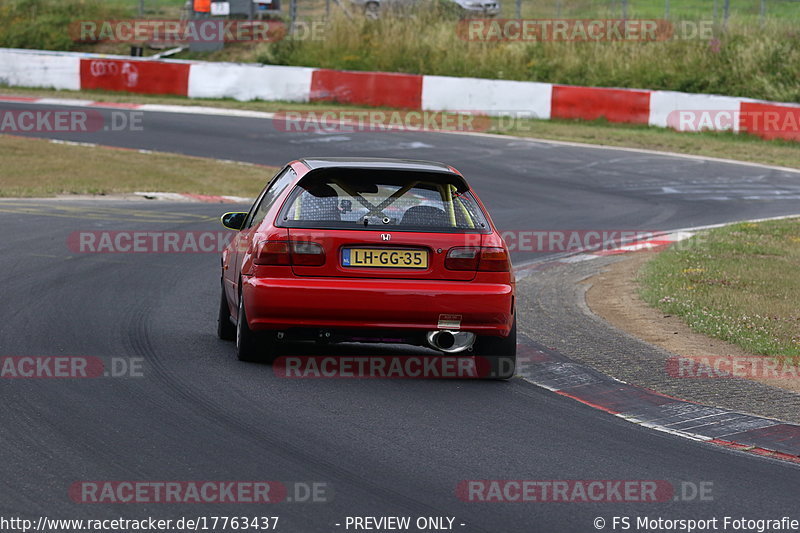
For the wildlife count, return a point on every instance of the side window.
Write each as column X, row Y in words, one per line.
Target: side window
column 278, row 185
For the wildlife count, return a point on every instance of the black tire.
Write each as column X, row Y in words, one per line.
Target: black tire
column 250, row 346
column 247, row 345
column 226, row 330
column 499, row 355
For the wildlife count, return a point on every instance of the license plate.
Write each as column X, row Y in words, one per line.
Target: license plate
column 384, row 258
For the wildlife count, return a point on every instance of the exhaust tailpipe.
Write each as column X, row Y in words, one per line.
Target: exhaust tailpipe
column 450, row 341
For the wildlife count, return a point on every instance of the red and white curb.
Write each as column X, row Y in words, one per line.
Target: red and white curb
column 653, row 242
column 740, row 431
column 745, row 432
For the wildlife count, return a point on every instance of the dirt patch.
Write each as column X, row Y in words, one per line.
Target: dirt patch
column 613, row 296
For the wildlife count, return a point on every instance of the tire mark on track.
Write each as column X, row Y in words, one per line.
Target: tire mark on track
column 139, row 337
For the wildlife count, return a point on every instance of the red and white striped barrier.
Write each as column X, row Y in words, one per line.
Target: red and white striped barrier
column 200, row 79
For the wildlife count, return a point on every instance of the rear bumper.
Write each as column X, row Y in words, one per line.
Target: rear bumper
column 282, row 303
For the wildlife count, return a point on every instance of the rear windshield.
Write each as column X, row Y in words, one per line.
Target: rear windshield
column 357, row 199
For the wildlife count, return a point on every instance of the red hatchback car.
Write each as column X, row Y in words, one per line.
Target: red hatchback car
column 369, row 250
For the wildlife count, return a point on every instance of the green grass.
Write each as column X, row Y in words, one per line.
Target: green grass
column 152, row 8
column 739, row 283
column 746, row 59
column 149, row 5
column 37, row 168
column 688, row 9
column 43, row 24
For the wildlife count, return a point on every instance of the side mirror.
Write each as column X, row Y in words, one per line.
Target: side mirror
column 233, row 221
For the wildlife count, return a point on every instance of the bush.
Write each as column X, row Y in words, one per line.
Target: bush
column 745, row 59
column 44, row 24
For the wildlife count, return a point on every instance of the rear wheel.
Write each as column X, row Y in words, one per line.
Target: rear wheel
column 226, row 330
column 499, row 354
column 250, row 346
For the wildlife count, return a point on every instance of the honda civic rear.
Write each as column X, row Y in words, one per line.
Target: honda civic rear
column 369, row 250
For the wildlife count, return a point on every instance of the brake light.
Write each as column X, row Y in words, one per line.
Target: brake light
column 478, row 258
column 272, row 253
column 301, row 253
column 494, row 260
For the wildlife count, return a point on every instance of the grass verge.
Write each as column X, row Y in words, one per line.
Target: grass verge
column 724, row 145
column 738, row 283
column 741, row 59
column 38, row 168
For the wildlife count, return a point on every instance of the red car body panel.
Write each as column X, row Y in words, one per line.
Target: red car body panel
column 331, row 296
column 279, row 303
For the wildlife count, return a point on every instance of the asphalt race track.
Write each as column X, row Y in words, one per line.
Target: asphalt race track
column 382, row 447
